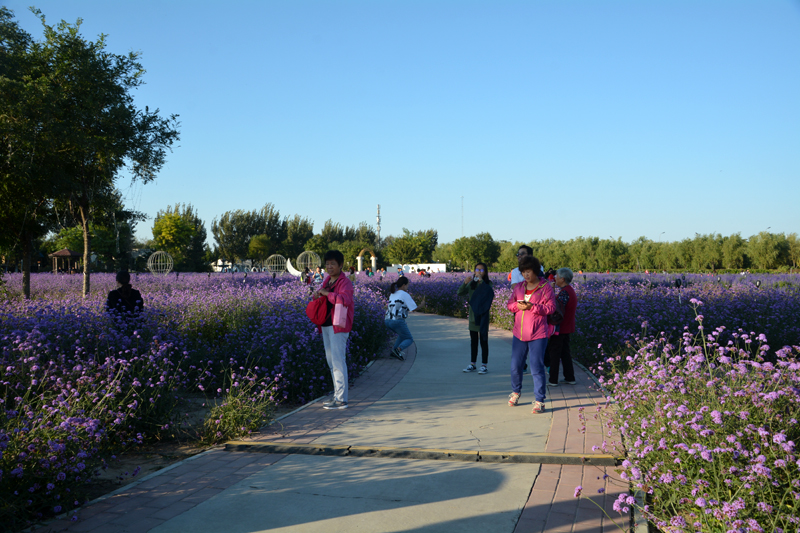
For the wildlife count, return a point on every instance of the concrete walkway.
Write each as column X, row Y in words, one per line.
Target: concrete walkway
column 396, row 409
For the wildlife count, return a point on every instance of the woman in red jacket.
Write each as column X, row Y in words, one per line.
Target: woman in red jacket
column 337, row 289
column 531, row 301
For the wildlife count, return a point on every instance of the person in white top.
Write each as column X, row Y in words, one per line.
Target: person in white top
column 523, row 251
column 400, row 304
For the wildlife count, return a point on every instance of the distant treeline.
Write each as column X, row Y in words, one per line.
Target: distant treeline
column 764, row 251
column 241, row 235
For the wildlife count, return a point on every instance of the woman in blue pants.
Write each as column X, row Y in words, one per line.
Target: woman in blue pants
column 400, row 304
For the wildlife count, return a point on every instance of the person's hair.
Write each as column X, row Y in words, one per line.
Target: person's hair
column 530, row 262
column 334, row 255
column 124, row 277
column 352, row 269
column 526, row 248
column 485, row 271
column 565, row 274
column 401, row 282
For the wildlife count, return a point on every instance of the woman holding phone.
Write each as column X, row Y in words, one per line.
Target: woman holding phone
column 531, row 301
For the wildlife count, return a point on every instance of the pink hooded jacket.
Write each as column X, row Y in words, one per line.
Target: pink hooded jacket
column 532, row 324
column 342, row 293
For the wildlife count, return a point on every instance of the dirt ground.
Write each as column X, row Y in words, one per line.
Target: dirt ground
column 153, row 457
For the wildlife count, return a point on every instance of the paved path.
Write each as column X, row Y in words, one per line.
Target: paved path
column 423, row 402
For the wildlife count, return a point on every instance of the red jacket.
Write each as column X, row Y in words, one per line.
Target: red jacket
column 531, row 325
column 568, row 324
column 342, row 293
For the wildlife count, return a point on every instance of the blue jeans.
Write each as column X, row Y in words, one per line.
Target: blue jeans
column 520, row 351
column 404, row 338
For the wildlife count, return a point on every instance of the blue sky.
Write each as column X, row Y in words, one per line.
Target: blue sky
column 553, row 119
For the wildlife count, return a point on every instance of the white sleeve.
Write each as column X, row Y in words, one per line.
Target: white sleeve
column 409, row 301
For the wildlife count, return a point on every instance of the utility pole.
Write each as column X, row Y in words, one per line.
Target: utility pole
column 378, row 233
column 462, row 216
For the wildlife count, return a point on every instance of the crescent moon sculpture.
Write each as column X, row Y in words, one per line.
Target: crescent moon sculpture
column 291, row 269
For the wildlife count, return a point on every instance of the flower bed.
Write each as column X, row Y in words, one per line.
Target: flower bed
column 711, row 429
column 76, row 388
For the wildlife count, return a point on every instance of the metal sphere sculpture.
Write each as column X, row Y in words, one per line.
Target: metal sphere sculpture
column 160, row 263
column 276, row 264
column 308, row 259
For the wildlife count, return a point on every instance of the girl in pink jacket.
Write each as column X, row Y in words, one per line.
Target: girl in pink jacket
column 531, row 301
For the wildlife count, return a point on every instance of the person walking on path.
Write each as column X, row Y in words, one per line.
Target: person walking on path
column 400, row 304
column 338, row 290
column 478, row 288
column 558, row 347
column 531, row 301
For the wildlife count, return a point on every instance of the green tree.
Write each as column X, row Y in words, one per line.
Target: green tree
column 507, row 260
column 794, row 248
column 298, row 231
column 179, row 231
column 402, row 250
column 412, row 246
column 443, row 253
column 88, row 122
column 764, row 250
column 733, row 252
column 233, row 232
column 260, row 248
column 468, row 251
column 27, row 166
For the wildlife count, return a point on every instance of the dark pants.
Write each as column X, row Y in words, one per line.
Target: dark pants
column 558, row 351
column 473, row 337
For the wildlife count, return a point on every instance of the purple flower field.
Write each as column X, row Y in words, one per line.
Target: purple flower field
column 76, row 388
column 612, row 307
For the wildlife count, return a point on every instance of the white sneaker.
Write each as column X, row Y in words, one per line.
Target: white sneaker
column 483, row 370
column 470, row 368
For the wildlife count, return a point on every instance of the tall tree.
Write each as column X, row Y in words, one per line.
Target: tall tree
column 179, row 231
column 27, row 158
column 468, row 251
column 764, row 249
column 92, row 127
column 260, row 248
column 233, row 232
column 298, row 231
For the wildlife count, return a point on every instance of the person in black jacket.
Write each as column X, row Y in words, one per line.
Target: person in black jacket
column 124, row 302
column 478, row 288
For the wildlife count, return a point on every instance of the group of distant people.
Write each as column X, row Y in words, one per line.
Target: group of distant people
column 544, row 306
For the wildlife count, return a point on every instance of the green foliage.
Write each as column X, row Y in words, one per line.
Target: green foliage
column 443, row 253
column 235, row 229
column 349, row 240
column 298, row 231
column 179, row 231
column 246, row 407
column 467, row 251
column 70, row 126
column 260, row 248
column 412, row 247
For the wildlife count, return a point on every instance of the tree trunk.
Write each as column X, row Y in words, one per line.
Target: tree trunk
column 87, row 251
column 26, row 267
